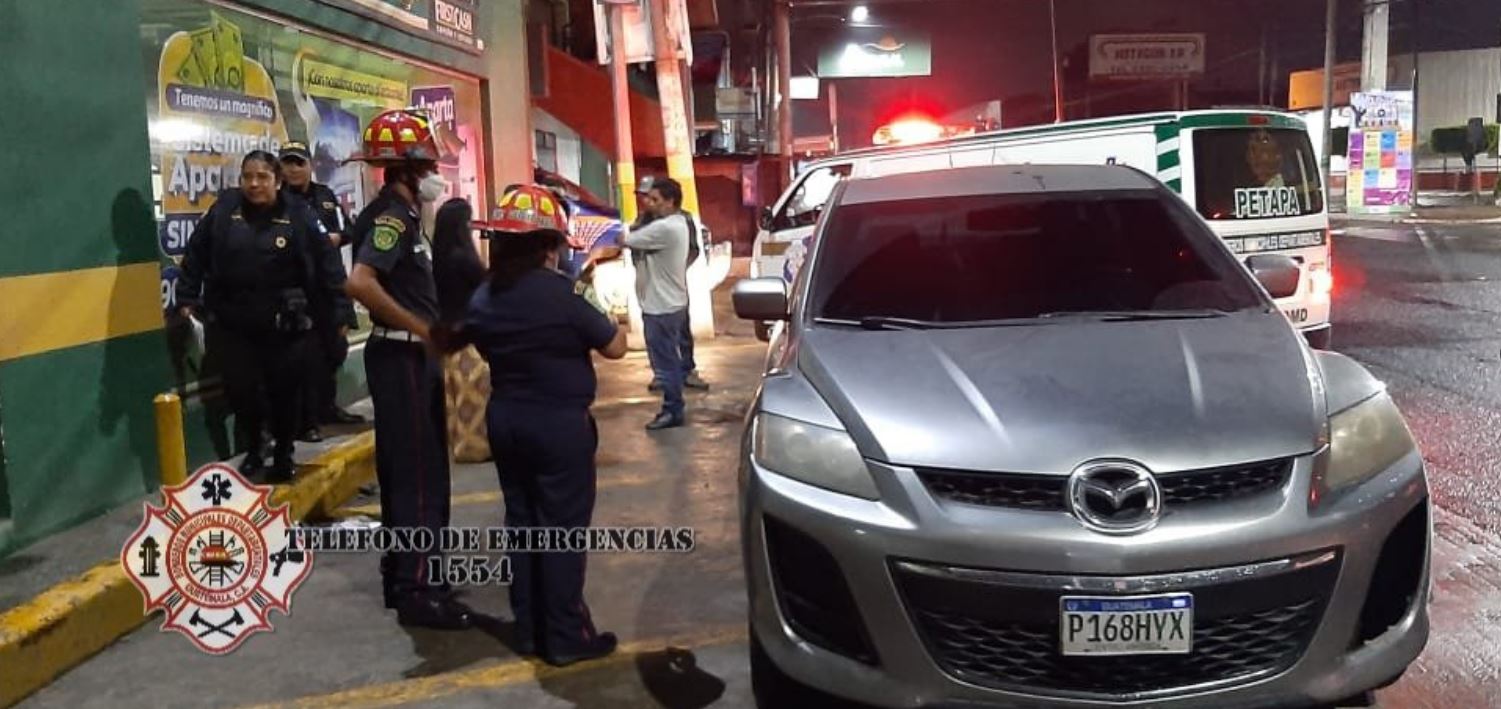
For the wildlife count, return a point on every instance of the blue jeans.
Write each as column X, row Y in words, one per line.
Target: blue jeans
column 664, row 347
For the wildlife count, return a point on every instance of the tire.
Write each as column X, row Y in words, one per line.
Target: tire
column 773, row 689
column 1320, row 339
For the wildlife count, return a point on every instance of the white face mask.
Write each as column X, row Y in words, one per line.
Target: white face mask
column 431, row 188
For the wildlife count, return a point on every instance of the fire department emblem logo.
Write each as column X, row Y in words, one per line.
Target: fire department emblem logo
column 214, row 559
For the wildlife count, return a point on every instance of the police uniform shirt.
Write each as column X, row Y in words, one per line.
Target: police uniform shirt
column 325, row 204
column 402, row 259
column 537, row 337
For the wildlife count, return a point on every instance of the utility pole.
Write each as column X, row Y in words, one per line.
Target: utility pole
column 783, row 30
column 1374, row 47
column 1057, row 70
column 620, row 90
column 1331, row 32
column 674, row 106
column 676, row 136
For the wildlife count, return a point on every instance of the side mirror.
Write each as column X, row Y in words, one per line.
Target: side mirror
column 760, row 299
column 766, row 218
column 1278, row 274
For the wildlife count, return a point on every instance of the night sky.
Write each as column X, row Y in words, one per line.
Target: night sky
column 1000, row 49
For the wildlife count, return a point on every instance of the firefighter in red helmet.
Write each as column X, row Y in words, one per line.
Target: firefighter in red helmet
column 393, row 278
column 537, row 336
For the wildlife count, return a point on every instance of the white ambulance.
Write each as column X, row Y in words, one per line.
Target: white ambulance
column 1252, row 175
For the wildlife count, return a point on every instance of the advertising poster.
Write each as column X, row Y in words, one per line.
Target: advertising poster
column 449, row 21
column 228, row 83
column 1380, row 177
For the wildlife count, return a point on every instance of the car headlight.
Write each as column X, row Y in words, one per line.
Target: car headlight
column 822, row 457
column 1364, row 440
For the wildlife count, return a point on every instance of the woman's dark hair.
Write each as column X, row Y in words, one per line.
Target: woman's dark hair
column 457, row 268
column 513, row 255
column 263, row 157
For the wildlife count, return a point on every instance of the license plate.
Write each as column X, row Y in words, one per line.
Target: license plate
column 1127, row 625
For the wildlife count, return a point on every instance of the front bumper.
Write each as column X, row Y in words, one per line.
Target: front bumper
column 877, row 549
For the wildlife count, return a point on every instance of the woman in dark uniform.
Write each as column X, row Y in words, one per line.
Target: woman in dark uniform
column 257, row 266
column 538, row 336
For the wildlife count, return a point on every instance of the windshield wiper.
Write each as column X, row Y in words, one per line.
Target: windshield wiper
column 1136, row 315
column 879, row 322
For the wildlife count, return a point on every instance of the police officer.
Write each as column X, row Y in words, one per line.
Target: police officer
column 329, row 346
column 393, row 278
column 537, row 336
column 257, row 265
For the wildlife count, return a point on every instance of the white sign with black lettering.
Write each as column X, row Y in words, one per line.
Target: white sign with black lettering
column 1265, row 202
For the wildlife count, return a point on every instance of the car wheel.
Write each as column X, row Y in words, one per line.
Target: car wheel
column 773, row 689
column 1320, row 339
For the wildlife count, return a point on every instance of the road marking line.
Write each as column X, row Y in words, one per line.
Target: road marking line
column 506, row 674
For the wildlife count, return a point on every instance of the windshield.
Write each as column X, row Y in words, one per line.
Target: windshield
column 966, row 259
column 1256, row 173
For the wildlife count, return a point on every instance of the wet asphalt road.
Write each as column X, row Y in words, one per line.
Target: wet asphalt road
column 1420, row 306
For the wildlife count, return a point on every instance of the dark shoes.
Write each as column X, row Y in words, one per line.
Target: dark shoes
column 281, row 471
column 601, row 645
column 311, row 435
column 664, row 420
column 342, row 417
column 691, row 381
column 253, row 465
column 433, row 611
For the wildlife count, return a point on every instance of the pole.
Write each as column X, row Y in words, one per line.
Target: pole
column 1261, row 69
column 784, row 86
column 1330, row 34
column 171, row 451
column 620, row 90
column 675, row 129
column 674, row 113
column 1057, row 70
column 834, row 114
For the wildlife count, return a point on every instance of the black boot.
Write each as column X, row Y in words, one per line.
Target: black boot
column 599, row 646
column 433, row 611
column 282, row 470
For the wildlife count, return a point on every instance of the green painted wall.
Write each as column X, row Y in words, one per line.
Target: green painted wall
column 87, row 441
column 79, row 137
column 78, row 431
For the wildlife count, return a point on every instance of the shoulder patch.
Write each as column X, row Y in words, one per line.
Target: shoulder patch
column 384, row 237
column 393, row 222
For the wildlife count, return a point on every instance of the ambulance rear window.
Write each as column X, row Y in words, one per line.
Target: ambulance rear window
column 1256, row 173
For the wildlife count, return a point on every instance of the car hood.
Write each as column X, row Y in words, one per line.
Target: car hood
column 1170, row 394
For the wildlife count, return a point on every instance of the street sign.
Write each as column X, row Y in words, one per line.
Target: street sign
column 1146, row 56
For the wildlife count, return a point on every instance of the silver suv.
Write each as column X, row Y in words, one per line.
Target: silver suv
column 1033, row 437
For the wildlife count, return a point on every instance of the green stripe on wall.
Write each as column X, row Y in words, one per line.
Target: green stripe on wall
column 77, row 151
column 87, row 441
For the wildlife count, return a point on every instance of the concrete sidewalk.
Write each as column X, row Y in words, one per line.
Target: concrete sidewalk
column 66, row 597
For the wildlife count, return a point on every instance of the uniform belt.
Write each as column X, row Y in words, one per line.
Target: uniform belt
column 387, row 333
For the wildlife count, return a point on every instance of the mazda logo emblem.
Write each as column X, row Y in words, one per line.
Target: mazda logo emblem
column 1115, row 497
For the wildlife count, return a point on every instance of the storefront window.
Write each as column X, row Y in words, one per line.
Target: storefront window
column 227, row 82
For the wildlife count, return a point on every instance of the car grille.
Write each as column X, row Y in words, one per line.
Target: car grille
column 1007, row 637
column 1046, row 492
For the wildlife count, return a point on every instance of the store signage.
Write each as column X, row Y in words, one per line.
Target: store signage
column 877, row 53
column 1146, row 56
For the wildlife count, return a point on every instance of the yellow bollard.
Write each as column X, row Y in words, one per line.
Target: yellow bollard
column 171, row 451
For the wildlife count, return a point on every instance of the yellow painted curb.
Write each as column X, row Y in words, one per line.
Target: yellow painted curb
column 68, row 623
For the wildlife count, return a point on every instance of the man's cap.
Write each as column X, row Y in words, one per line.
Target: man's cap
column 647, row 183
column 295, row 149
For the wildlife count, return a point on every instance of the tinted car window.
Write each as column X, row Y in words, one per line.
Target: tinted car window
column 959, row 259
column 1256, row 173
